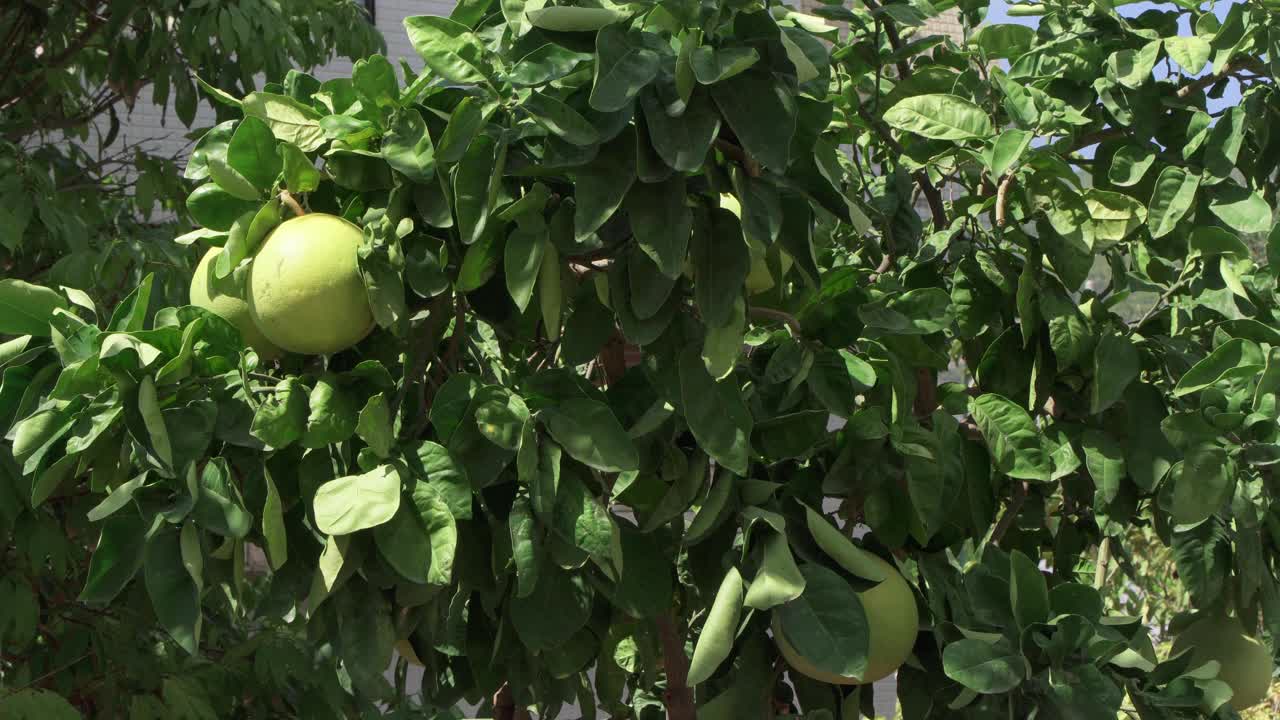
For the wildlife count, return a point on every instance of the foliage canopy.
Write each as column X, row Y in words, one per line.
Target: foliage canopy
column 496, row 483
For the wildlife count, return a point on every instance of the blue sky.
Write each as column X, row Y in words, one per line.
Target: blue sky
column 998, row 13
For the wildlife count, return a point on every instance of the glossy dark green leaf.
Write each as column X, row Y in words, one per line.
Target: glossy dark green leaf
column 590, row 433
column 467, row 120
column 716, row 413
column 827, row 625
column 471, row 189
column 721, row 262
column 626, row 61
column 215, row 208
column 252, row 153
column 567, row 592
column 1115, row 364
column 561, row 119
column 1015, row 444
column 982, row 666
column 117, row 557
column 175, row 594
column 601, row 185
column 1175, row 191
column 762, row 113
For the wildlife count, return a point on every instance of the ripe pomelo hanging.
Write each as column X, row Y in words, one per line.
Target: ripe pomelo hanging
column 226, row 298
column 305, row 290
column 1245, row 663
column 893, row 622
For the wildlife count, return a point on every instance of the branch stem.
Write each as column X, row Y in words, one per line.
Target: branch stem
column 287, row 198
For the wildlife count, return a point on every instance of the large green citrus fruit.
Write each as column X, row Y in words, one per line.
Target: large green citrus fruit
column 226, row 299
column 893, row 620
column 1245, row 662
column 305, row 290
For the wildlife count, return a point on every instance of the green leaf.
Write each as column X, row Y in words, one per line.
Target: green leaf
column 36, row 704
column 281, row 419
column 357, row 502
column 625, row 63
column 407, row 146
column 1104, row 457
column 716, row 413
column 940, row 117
column 1175, row 191
column 501, row 419
column 545, row 64
column 446, row 475
column 836, row 378
column 25, row 309
column 661, row 222
column 1202, row 483
column 719, row 631
column 550, row 294
column 450, row 49
column 438, row 520
column 117, row 557
column 778, row 580
column 471, row 189
column 290, row 121
column 561, row 119
column 1190, row 52
column 174, row 592
column 569, row 594
column 1005, row 41
column 1028, row 591
column 252, row 154
column 984, row 667
column 1130, row 164
column 722, row 345
column 215, row 208
column 1132, row 68
column 465, row 122
column 1115, row 215
column 721, row 262
column 525, row 249
column 1242, row 210
column 1233, row 359
column 525, row 546
column 827, row 625
column 601, row 185
column 565, row 18
column 711, row 65
column 761, row 111
column 374, row 425
column 332, row 417
column 273, row 529
column 300, row 173
column 589, row 431
column 1008, row 149
column 404, row 543
column 1013, row 440
column 219, row 508
column 1115, row 364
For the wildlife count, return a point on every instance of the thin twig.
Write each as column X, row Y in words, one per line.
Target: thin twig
column 1160, row 303
column 1010, row 513
column 286, row 197
column 777, row 315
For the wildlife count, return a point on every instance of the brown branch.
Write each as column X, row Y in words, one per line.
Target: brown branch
column 927, row 393
column 94, row 25
column 931, row 193
column 1010, row 513
column 1104, row 559
column 678, row 697
column 287, row 198
column 765, row 313
column 504, row 706
column 733, row 152
column 1002, row 198
column 895, row 41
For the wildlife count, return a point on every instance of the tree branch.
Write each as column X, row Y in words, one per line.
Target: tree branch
column 927, row 188
column 1010, row 513
column 678, row 698
column 765, row 313
column 895, row 41
column 1002, row 198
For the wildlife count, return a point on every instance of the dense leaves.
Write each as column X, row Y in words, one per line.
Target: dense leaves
column 670, row 299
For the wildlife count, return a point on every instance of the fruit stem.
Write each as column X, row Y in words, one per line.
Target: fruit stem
column 287, row 198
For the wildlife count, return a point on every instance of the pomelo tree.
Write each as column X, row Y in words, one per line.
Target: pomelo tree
column 1016, row 311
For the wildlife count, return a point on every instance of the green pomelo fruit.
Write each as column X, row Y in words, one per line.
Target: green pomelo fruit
column 226, row 299
column 893, row 620
column 1245, row 662
column 305, row 290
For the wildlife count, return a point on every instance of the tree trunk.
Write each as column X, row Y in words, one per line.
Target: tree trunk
column 679, row 696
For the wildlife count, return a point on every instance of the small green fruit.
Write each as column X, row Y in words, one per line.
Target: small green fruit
column 1245, row 662
column 894, row 622
column 226, row 298
column 305, row 289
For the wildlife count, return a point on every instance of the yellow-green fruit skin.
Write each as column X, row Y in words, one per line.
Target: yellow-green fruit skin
column 226, row 299
column 893, row 620
column 305, row 290
column 1245, row 662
